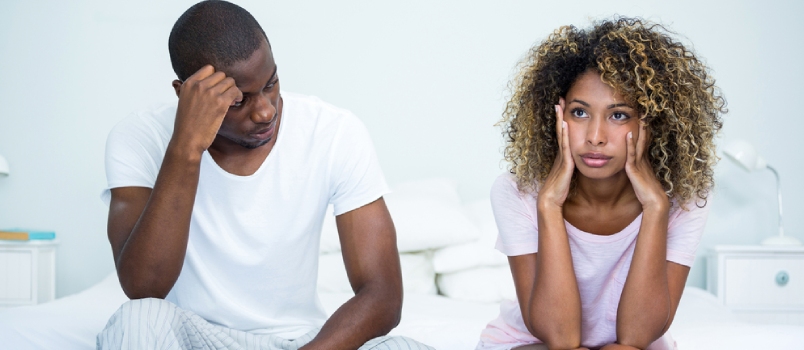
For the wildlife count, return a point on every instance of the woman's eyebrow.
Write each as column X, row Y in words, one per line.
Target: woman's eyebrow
column 581, row 102
column 617, row 105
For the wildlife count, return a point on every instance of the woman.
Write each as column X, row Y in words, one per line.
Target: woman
column 610, row 142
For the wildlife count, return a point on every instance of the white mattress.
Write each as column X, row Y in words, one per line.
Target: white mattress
column 445, row 324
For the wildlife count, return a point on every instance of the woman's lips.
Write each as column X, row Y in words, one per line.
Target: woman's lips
column 595, row 160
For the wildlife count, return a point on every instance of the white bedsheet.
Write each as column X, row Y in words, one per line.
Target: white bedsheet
column 446, row 324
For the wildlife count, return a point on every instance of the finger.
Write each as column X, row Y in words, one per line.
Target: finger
column 213, row 80
column 559, row 126
column 233, row 94
column 630, row 148
column 641, row 140
column 221, row 86
column 202, row 73
column 565, row 137
column 644, row 138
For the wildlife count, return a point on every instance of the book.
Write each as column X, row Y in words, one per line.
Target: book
column 26, row 235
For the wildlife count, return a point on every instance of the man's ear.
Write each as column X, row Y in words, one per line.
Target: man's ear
column 177, row 86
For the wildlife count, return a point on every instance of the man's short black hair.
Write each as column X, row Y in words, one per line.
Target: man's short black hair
column 213, row 32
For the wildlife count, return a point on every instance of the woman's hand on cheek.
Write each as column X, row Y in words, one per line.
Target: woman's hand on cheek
column 556, row 187
column 647, row 187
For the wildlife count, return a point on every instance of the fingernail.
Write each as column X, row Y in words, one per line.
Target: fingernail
column 556, row 107
column 564, row 125
column 630, row 135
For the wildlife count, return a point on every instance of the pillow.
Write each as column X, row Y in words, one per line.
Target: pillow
column 427, row 214
column 478, row 253
column 423, row 223
column 467, row 256
column 439, row 189
column 417, row 274
column 484, row 284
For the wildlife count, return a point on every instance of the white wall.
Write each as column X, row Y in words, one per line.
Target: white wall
column 428, row 79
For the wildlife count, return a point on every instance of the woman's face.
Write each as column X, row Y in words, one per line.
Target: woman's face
column 598, row 121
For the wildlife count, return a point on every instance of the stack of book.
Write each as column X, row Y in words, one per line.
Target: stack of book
column 26, row 235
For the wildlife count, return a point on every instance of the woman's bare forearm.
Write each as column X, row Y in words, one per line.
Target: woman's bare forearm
column 555, row 303
column 645, row 304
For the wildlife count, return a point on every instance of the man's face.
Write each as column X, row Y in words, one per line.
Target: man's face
column 254, row 121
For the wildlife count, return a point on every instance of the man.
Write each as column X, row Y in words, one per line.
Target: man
column 216, row 206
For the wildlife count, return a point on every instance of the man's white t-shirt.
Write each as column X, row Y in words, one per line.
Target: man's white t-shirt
column 252, row 256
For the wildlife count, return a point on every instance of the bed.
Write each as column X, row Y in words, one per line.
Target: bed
column 453, row 279
column 444, row 323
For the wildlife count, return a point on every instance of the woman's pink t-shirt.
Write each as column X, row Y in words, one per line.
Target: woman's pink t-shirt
column 601, row 265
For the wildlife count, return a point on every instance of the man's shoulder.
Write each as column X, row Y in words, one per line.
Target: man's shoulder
column 149, row 129
column 159, row 116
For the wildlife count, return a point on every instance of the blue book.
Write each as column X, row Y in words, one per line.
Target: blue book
column 24, row 235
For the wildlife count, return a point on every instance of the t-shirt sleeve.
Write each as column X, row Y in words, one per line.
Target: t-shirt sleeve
column 515, row 215
column 684, row 233
column 356, row 178
column 134, row 152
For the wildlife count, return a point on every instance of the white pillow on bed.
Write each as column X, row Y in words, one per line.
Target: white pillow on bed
column 417, row 273
column 427, row 214
column 473, row 254
column 483, row 284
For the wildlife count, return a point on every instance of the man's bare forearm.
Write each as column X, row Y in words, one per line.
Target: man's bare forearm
column 151, row 258
column 371, row 313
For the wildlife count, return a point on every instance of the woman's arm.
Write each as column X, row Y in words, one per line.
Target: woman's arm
column 546, row 286
column 555, row 302
column 653, row 286
column 555, row 323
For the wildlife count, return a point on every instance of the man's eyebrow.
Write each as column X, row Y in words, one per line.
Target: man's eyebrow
column 273, row 76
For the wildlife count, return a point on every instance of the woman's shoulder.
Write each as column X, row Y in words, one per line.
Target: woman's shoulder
column 506, row 192
column 507, row 183
column 692, row 209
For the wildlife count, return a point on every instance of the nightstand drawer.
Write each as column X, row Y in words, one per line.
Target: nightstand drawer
column 764, row 282
column 27, row 272
column 16, row 276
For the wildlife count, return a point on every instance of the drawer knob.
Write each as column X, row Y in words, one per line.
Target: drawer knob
column 782, row 278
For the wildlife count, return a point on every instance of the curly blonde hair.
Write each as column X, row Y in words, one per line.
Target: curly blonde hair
column 671, row 89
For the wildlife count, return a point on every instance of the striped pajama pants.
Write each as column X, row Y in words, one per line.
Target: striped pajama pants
column 158, row 324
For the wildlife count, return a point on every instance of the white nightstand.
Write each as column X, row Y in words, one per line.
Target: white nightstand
column 27, row 272
column 759, row 283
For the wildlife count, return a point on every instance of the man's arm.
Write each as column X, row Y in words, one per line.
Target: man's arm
column 148, row 228
column 368, row 243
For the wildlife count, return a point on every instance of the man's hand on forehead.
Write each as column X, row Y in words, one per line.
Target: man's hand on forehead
column 204, row 99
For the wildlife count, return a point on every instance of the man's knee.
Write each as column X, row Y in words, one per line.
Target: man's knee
column 140, row 318
column 150, row 313
column 394, row 342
